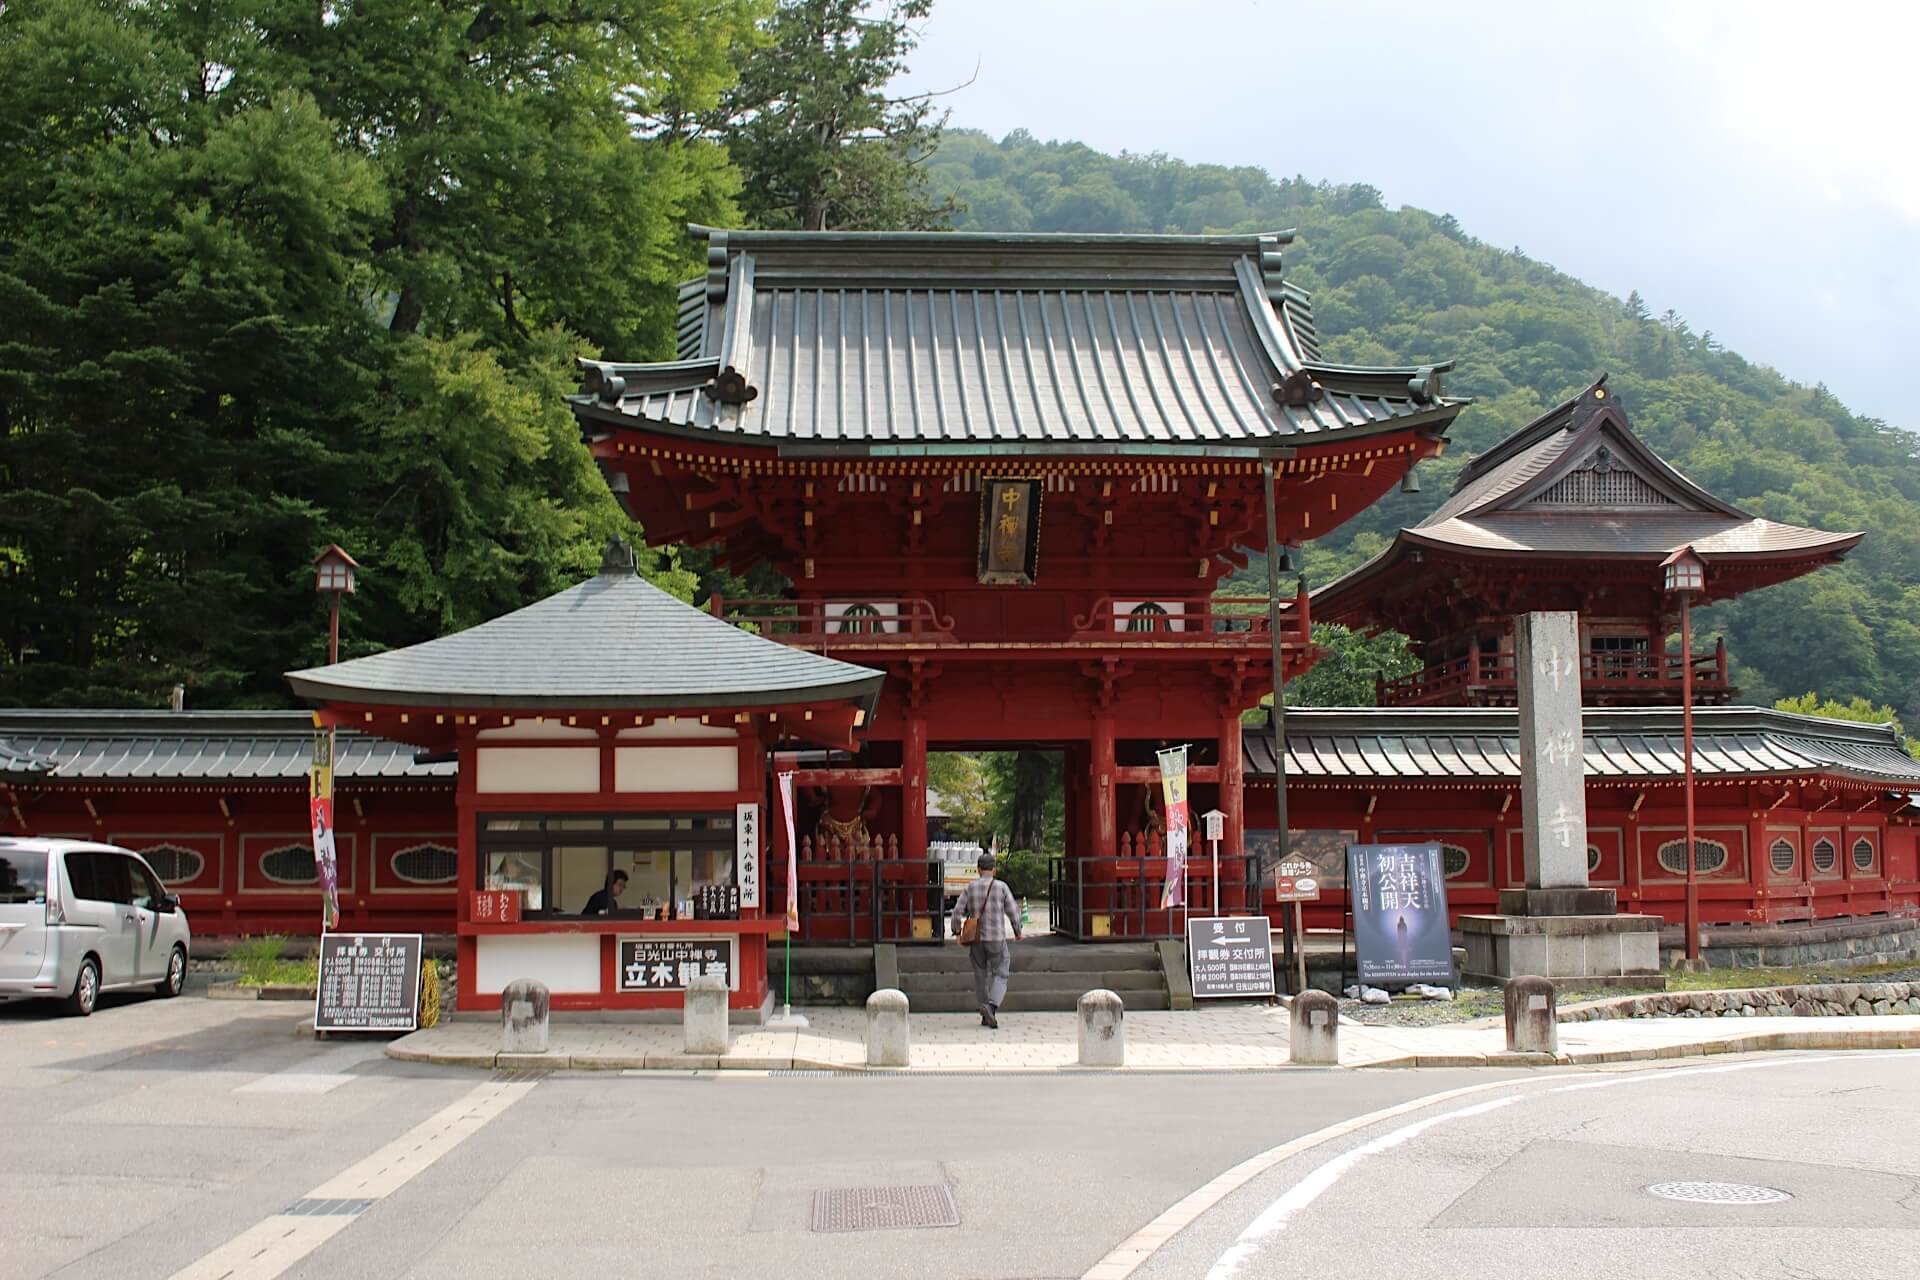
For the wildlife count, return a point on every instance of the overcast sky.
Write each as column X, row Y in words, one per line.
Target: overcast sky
column 1751, row 166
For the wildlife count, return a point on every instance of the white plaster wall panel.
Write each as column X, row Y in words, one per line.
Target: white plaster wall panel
column 655, row 769
column 572, row 770
column 565, row 962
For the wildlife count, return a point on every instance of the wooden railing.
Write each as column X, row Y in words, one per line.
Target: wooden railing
column 848, row 624
column 1493, row 677
column 1197, row 620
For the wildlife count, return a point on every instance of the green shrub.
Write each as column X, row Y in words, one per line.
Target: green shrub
column 257, row 958
column 1025, row 873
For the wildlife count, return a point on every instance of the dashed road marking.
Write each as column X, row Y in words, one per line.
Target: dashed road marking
column 276, row 1242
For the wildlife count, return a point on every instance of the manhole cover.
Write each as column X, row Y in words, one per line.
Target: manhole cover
column 1717, row 1193
column 883, row 1208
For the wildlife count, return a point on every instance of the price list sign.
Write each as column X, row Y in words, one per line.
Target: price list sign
column 368, row 982
column 1230, row 956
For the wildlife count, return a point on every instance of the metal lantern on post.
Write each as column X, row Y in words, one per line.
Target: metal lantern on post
column 333, row 576
column 1685, row 576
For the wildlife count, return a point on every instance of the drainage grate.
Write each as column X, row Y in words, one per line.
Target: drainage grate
column 310, row 1207
column 883, row 1208
column 1717, row 1193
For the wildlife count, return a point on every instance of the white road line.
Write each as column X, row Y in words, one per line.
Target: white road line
column 276, row 1242
column 1133, row 1252
column 1275, row 1217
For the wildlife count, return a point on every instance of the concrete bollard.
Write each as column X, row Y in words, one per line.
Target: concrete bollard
column 1313, row 1034
column 1103, row 1030
column 523, row 1017
column 1533, row 1023
column 704, row 1015
column 887, row 1043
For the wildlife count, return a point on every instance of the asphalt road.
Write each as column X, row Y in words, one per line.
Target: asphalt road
column 157, row 1134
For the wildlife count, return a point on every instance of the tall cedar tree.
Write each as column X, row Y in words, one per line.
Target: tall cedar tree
column 279, row 275
column 819, row 143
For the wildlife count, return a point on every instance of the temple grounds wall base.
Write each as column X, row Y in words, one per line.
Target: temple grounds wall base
column 1593, row 949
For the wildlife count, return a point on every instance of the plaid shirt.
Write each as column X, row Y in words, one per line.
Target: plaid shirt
column 991, row 902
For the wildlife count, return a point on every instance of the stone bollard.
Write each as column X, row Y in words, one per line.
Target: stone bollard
column 1313, row 1035
column 887, row 1044
column 704, row 1015
column 523, row 1017
column 1103, row 1030
column 1533, row 1024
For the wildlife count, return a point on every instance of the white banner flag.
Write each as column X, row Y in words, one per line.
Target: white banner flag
column 793, row 852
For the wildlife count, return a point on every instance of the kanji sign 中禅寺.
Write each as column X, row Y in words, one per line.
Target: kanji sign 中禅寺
column 670, row 964
column 1009, row 531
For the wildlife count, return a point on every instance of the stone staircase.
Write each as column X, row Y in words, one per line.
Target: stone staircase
column 1047, row 976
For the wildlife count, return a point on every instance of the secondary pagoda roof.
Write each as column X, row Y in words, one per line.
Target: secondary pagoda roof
column 127, row 746
column 940, row 342
column 1436, row 744
column 615, row 640
column 1576, row 483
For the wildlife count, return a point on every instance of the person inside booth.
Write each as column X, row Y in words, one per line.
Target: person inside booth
column 603, row 899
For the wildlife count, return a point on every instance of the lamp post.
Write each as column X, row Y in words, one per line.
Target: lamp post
column 333, row 571
column 1685, row 576
column 1277, row 721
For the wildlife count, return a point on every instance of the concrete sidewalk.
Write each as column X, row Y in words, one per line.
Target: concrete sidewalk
column 1239, row 1038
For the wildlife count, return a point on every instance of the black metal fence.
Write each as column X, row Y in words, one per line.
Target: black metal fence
column 1097, row 898
column 862, row 902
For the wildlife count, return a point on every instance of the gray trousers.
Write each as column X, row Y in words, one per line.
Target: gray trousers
column 991, row 960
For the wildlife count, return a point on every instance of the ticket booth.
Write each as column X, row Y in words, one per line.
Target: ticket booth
column 613, row 747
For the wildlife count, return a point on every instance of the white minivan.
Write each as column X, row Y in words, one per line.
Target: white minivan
column 78, row 918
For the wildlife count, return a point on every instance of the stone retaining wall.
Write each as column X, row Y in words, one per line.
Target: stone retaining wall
column 1827, row 1000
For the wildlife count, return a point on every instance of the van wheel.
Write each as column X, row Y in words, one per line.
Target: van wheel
column 176, row 978
column 86, row 989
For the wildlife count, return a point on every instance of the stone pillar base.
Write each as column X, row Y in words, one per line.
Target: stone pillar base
column 1601, row 950
column 1557, row 902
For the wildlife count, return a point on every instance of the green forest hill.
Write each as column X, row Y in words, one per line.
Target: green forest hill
column 275, row 276
column 1406, row 286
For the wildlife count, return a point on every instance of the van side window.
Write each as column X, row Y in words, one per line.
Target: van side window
column 23, row 878
column 83, row 876
column 146, row 890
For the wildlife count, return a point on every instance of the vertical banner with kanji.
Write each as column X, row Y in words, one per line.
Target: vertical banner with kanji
column 1009, row 531
column 1173, row 785
column 320, row 816
column 793, row 852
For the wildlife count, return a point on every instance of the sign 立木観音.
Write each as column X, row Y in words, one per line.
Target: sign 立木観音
column 368, row 982
column 669, row 964
column 1230, row 956
column 1398, row 894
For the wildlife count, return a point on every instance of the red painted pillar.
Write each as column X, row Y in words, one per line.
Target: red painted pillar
column 1105, row 843
column 913, row 785
column 1233, row 805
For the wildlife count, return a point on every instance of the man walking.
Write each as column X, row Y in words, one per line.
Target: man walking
column 987, row 906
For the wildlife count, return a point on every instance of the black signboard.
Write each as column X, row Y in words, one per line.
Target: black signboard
column 669, row 964
column 1230, row 956
column 1399, row 899
column 368, row 982
column 716, row 902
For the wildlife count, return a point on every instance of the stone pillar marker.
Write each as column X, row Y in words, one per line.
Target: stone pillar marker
column 1533, row 1019
column 1103, row 1030
column 523, row 1017
column 1553, row 785
column 704, row 1015
column 887, row 1042
column 1313, row 1031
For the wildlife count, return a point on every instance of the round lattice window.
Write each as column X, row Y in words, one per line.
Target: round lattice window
column 426, row 864
column 1454, row 861
column 1863, row 854
column 1593, row 858
column 1825, row 856
column 1147, row 617
column 1708, row 857
column 859, row 620
column 289, row 864
column 173, row 864
column 1782, row 857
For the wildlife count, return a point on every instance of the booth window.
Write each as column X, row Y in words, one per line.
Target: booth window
column 559, row 861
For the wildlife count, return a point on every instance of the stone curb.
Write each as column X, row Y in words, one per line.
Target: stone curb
column 1810, row 1038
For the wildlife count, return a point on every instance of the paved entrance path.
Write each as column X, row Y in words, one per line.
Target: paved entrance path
column 1234, row 1038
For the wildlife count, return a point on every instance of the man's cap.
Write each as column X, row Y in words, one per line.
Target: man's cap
column 985, row 863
